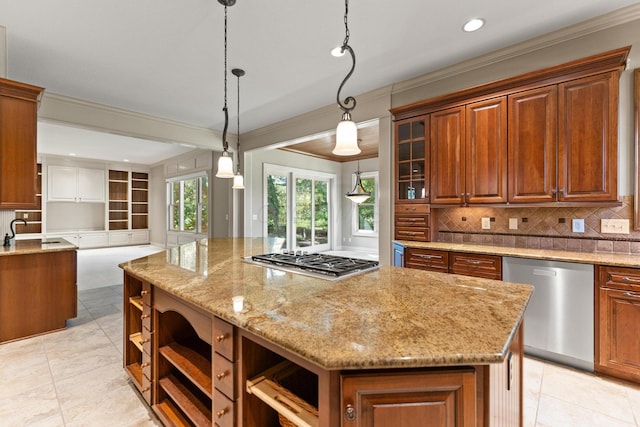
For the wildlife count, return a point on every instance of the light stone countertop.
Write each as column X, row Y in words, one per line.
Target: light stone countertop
column 31, row 246
column 389, row 318
column 613, row 259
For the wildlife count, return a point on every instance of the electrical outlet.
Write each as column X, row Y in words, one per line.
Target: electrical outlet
column 486, row 223
column 577, row 225
column 25, row 215
column 617, row 226
column 513, row 223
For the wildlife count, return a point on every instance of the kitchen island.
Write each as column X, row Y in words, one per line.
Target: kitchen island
column 388, row 346
column 38, row 291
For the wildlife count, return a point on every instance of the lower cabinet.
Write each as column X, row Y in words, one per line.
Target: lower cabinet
column 466, row 264
column 131, row 237
column 426, row 259
column 617, row 304
column 444, row 397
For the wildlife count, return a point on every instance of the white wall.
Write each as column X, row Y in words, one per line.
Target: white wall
column 348, row 238
column 3, row 52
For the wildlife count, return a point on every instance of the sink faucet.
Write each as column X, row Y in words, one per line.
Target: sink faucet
column 7, row 238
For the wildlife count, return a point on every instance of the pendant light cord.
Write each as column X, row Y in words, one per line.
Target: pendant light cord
column 238, row 169
column 225, row 145
column 345, row 46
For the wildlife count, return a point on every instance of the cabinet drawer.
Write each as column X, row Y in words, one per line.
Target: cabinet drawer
column 146, row 342
column 146, row 293
column 426, row 259
column 412, row 220
column 224, row 376
column 619, row 278
column 223, row 338
column 488, row 266
column 146, row 389
column 146, row 317
column 416, row 234
column 223, row 410
column 413, row 209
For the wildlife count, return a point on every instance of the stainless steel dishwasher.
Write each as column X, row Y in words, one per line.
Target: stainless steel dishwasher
column 558, row 323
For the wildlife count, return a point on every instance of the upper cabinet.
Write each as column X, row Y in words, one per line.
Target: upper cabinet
column 71, row 184
column 548, row 136
column 412, row 160
column 18, row 130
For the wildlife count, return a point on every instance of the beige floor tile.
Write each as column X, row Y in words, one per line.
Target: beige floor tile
column 588, row 391
column 21, row 371
column 634, row 399
column 35, row 407
column 554, row 412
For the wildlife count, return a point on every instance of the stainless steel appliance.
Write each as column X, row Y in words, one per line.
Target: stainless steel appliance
column 319, row 265
column 558, row 323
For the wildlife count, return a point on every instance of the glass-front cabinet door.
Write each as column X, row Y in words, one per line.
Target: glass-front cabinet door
column 412, row 160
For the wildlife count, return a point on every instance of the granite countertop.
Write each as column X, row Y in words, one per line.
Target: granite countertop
column 389, row 318
column 31, row 246
column 613, row 259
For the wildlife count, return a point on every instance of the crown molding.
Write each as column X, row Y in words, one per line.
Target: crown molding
column 603, row 22
column 61, row 109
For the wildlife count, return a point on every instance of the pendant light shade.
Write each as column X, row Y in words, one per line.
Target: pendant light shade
column 346, row 132
column 358, row 194
column 225, row 166
column 346, row 137
column 238, row 181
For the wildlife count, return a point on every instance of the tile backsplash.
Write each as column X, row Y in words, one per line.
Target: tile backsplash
column 540, row 228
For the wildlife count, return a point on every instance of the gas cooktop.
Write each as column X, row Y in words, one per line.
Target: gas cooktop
column 314, row 264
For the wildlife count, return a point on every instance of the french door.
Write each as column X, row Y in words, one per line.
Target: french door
column 298, row 206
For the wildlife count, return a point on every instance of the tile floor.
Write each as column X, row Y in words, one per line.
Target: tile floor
column 75, row 377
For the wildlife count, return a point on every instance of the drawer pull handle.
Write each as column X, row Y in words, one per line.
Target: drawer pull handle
column 350, row 413
column 221, row 413
column 145, row 340
column 145, row 316
column 631, row 295
column 144, row 365
column 474, row 262
column 427, row 256
column 221, row 338
column 146, row 389
column 143, row 293
column 630, row 280
column 221, row 375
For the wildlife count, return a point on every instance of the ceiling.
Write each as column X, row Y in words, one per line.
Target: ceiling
column 165, row 57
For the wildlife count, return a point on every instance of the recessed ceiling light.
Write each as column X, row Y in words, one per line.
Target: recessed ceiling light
column 473, row 24
column 72, row 154
column 125, row 160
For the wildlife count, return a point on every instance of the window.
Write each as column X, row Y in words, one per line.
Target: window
column 298, row 206
column 188, row 204
column 365, row 214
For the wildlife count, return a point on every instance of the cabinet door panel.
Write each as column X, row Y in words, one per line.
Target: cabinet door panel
column 447, row 156
column 588, row 139
column 532, row 145
column 61, row 182
column 486, row 151
column 91, row 183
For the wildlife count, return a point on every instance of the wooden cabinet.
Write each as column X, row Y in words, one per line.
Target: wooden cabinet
column 443, row 397
column 118, row 200
column 71, row 184
column 412, row 160
column 38, row 293
column 447, row 156
column 469, row 153
column 224, row 378
column 18, row 132
column 128, row 206
column 476, row 265
column 412, row 222
column 139, row 200
column 588, row 138
column 543, row 137
column 532, row 145
column 617, row 307
column 427, row 259
column 138, row 333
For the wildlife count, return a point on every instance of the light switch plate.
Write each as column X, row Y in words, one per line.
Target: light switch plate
column 616, row 226
column 578, row 225
column 486, row 223
column 513, row 223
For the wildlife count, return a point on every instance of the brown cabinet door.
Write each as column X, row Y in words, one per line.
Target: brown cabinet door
column 448, row 156
column 618, row 322
column 18, row 121
column 486, row 151
column 445, row 398
column 412, row 160
column 532, row 145
column 426, row 259
column 476, row 265
column 588, row 138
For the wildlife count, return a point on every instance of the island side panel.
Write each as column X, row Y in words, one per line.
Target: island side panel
column 38, row 293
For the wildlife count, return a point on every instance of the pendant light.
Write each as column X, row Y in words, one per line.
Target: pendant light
column 238, row 179
column 346, row 132
column 225, row 162
column 358, row 194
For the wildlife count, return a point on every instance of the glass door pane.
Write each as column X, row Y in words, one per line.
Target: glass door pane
column 321, row 213
column 312, row 214
column 277, row 210
column 303, row 222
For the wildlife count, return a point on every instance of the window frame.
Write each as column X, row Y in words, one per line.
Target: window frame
column 355, row 212
column 200, row 206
